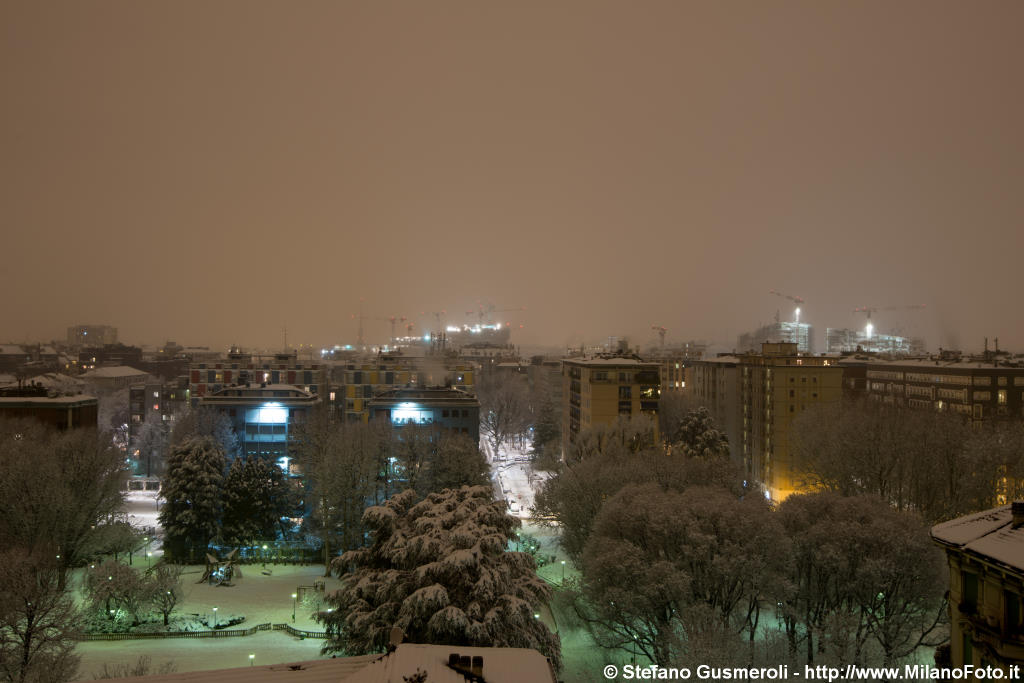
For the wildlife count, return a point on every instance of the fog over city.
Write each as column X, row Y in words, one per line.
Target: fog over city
column 215, row 173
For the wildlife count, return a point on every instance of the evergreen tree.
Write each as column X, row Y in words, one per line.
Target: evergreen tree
column 257, row 495
column 696, row 436
column 439, row 570
column 192, row 488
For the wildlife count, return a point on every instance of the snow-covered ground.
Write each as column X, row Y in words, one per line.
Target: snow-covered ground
column 142, row 508
column 511, row 471
column 261, row 598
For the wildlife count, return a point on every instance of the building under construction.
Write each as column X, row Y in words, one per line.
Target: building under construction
column 844, row 340
column 794, row 332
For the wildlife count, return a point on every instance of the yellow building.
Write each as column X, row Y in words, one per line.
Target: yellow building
column 599, row 389
column 985, row 552
column 754, row 397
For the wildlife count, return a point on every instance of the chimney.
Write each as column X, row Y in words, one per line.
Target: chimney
column 1017, row 512
column 478, row 666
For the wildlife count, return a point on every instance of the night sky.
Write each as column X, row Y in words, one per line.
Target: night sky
column 213, row 172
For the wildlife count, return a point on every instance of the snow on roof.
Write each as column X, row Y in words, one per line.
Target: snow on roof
column 114, row 371
column 500, row 665
column 313, row 671
column 989, row 534
column 56, row 380
column 35, row 400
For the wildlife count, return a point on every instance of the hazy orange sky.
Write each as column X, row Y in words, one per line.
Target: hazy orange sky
column 211, row 172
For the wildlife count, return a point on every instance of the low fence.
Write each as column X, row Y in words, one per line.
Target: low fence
column 298, row 632
column 222, row 633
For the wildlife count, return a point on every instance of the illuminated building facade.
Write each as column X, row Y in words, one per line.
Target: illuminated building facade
column 263, row 416
column 756, row 396
column 977, row 388
column 600, row 389
column 440, row 408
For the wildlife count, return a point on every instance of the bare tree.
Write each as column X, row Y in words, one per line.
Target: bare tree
column 936, row 464
column 346, row 468
column 862, row 570
column 57, row 488
column 38, row 619
column 165, row 582
column 504, row 408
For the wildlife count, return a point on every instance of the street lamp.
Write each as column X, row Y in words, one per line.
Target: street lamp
column 294, row 596
column 215, row 617
column 563, row 572
column 149, row 558
column 252, row 656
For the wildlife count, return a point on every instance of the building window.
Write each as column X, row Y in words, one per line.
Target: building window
column 445, row 413
column 969, row 593
column 1002, row 397
column 625, row 392
column 791, row 393
column 1012, row 611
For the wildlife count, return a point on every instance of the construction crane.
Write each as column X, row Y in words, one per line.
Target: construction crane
column 393, row 319
column 869, row 328
column 437, row 316
column 661, row 333
column 483, row 312
column 798, row 300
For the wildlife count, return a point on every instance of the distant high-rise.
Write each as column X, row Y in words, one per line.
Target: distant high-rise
column 755, row 397
column 91, row 335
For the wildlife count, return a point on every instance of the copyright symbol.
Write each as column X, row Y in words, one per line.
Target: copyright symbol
column 610, row 671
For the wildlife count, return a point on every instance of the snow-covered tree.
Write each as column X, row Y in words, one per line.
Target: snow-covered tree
column 192, row 488
column 697, row 436
column 455, row 461
column 861, row 570
column 439, row 570
column 165, row 588
column 257, row 495
column 57, row 488
column 113, row 587
column 623, row 437
column 38, row 619
column 572, row 499
column 671, row 570
column 204, row 421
